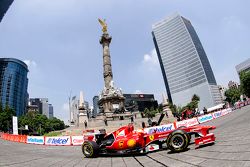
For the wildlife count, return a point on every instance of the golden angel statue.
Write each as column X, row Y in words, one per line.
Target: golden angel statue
column 104, row 25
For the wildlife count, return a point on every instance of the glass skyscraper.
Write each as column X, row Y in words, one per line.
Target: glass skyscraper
column 13, row 84
column 184, row 64
column 4, row 6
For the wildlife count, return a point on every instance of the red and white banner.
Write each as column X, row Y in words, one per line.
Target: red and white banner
column 187, row 123
column 77, row 140
column 58, row 141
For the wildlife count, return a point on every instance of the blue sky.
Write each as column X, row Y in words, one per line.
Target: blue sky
column 59, row 40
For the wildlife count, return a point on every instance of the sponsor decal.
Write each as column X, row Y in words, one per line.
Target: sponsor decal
column 64, row 140
column 121, row 143
column 35, row 139
column 224, row 112
column 187, row 123
column 229, row 110
column 162, row 128
column 77, row 140
column 151, row 137
column 131, row 143
column 152, row 147
column 205, row 118
column 217, row 114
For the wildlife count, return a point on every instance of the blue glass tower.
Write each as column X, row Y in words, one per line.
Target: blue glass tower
column 13, row 84
column 4, row 6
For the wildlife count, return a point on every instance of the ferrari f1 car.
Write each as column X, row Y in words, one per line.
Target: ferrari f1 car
column 127, row 140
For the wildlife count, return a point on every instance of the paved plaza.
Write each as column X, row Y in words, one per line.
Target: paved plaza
column 232, row 148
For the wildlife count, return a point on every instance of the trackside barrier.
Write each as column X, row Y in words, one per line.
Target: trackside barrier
column 77, row 140
column 58, row 141
column 187, row 123
column 35, row 140
column 205, row 118
column 16, row 138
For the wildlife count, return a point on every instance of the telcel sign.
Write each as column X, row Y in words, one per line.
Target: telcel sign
column 63, row 140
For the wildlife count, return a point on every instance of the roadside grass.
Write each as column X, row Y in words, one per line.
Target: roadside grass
column 50, row 134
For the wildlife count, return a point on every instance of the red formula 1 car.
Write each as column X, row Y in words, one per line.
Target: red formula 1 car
column 127, row 140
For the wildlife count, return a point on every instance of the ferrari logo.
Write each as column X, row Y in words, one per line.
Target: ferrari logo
column 151, row 137
column 121, row 144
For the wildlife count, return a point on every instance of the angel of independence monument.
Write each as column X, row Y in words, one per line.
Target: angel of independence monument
column 111, row 99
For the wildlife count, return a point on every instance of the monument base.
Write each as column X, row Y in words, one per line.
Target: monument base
column 82, row 119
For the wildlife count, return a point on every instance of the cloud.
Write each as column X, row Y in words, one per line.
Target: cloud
column 151, row 58
column 30, row 63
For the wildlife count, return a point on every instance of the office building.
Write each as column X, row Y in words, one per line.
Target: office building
column 233, row 85
column 96, row 109
column 184, row 63
column 139, row 102
column 222, row 92
column 42, row 104
column 4, row 6
column 51, row 111
column 13, row 84
column 244, row 66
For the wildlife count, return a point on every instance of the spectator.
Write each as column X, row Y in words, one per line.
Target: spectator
column 106, row 122
column 149, row 122
column 85, row 124
column 205, row 110
column 143, row 125
column 132, row 118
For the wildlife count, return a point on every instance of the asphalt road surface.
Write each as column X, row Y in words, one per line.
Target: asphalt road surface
column 232, row 148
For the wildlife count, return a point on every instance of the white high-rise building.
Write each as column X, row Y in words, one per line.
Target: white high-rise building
column 184, row 63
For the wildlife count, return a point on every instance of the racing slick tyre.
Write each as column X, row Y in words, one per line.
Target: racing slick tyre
column 178, row 141
column 189, row 136
column 90, row 149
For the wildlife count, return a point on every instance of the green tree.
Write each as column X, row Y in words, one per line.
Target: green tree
column 150, row 113
column 195, row 98
column 245, row 83
column 232, row 95
column 40, row 124
column 6, row 115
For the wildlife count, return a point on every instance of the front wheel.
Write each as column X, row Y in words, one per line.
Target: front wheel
column 90, row 149
column 178, row 141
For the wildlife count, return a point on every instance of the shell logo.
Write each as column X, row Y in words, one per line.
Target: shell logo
column 131, row 143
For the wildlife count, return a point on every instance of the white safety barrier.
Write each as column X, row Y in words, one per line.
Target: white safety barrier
column 187, row 123
column 205, row 118
column 35, row 140
column 58, row 141
column 77, row 140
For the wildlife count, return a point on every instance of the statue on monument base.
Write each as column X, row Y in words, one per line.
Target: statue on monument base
column 111, row 100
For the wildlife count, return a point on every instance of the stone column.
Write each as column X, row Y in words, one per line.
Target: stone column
column 107, row 69
column 166, row 108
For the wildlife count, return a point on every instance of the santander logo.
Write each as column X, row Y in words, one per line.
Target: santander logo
column 78, row 140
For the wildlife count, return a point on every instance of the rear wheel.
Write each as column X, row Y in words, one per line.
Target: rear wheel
column 178, row 141
column 90, row 149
